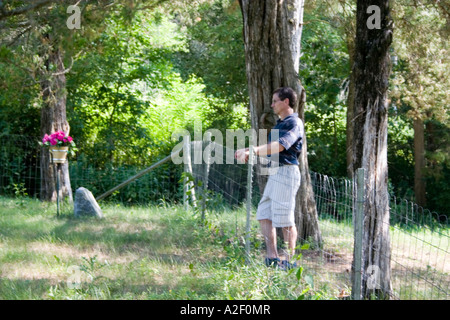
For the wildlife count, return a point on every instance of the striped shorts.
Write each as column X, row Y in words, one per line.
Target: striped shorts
column 278, row 201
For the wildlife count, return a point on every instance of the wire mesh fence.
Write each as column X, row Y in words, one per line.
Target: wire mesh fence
column 20, row 174
column 419, row 239
column 420, row 252
column 333, row 261
column 19, row 165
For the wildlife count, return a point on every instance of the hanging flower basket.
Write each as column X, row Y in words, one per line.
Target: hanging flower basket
column 59, row 154
column 59, row 144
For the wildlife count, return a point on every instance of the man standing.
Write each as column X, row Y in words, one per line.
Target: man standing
column 277, row 205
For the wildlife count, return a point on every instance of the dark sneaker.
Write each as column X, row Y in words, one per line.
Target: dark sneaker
column 286, row 265
column 272, row 262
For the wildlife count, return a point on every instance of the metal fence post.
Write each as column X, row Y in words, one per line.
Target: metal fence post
column 249, row 201
column 187, row 162
column 206, row 164
column 358, row 233
column 57, row 170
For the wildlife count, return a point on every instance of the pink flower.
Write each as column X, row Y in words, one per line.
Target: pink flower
column 55, row 135
column 46, row 138
column 58, row 138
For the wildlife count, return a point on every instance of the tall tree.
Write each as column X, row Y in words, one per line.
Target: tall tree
column 272, row 33
column 35, row 29
column 52, row 32
column 371, row 69
column 421, row 82
column 53, row 118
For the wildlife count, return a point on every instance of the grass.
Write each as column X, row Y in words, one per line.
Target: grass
column 158, row 252
column 422, row 256
column 163, row 252
column 419, row 259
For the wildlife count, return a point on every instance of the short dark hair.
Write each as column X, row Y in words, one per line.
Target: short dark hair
column 287, row 93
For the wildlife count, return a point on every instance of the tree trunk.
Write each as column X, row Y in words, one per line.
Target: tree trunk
column 272, row 33
column 371, row 71
column 53, row 118
column 419, row 162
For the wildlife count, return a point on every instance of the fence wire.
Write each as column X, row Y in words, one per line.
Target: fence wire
column 419, row 252
column 19, row 165
column 333, row 261
column 20, row 174
column 419, row 239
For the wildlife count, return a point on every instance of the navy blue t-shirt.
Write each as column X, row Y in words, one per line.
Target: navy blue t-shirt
column 290, row 136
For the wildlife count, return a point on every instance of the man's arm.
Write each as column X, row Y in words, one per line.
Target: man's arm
column 263, row 150
column 268, row 149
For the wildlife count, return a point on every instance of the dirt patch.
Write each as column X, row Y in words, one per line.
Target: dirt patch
column 330, row 261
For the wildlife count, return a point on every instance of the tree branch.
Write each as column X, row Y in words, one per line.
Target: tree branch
column 21, row 10
column 17, row 37
column 67, row 70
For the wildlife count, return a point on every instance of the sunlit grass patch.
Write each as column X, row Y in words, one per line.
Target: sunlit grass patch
column 158, row 252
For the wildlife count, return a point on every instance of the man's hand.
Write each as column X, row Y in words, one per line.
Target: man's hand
column 242, row 155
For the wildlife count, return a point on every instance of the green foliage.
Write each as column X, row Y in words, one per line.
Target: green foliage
column 323, row 70
column 326, row 139
column 419, row 90
column 205, row 201
column 127, row 99
column 155, row 186
column 136, row 76
column 215, row 54
column 215, row 50
column 106, row 93
column 400, row 154
column 19, row 103
column 437, row 172
column 420, row 80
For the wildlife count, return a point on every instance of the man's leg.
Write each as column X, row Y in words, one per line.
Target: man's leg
column 270, row 237
column 290, row 237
